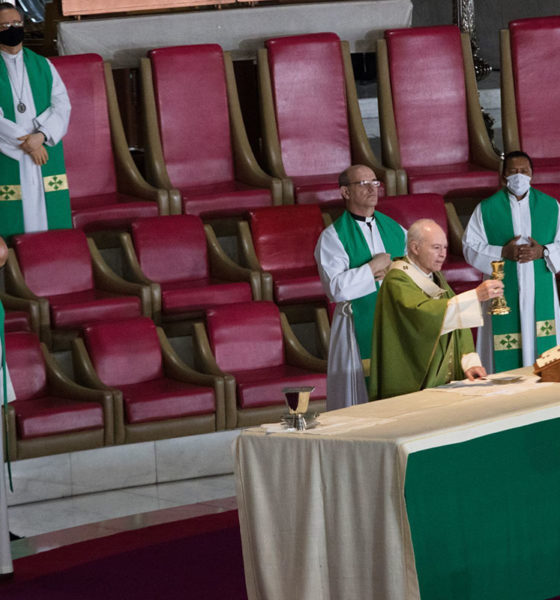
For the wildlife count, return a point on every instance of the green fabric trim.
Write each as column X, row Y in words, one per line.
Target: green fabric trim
column 485, row 518
column 57, row 198
column 498, row 224
column 358, row 252
column 408, row 352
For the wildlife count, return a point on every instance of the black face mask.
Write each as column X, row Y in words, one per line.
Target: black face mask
column 11, row 36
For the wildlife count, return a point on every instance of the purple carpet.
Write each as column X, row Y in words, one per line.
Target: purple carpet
column 199, row 558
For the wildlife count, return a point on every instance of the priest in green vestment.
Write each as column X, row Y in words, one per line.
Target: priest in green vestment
column 421, row 333
column 34, row 116
column 520, row 225
column 352, row 256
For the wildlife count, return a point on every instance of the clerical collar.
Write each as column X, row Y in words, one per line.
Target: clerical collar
column 360, row 218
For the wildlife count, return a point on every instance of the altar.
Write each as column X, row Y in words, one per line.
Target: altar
column 434, row 495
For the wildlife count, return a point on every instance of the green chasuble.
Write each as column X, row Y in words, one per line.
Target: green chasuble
column 506, row 329
column 55, row 184
column 358, row 251
column 408, row 352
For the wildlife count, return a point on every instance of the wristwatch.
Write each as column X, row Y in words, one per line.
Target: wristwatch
column 545, row 251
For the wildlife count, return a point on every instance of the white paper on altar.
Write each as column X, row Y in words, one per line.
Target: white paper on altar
column 493, row 385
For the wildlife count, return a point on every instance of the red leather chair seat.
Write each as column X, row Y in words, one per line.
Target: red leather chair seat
column 291, row 285
column 453, row 180
column 223, row 199
column 263, row 387
column 17, row 320
column 106, row 211
column 51, row 415
column 184, row 295
column 161, row 399
column 76, row 308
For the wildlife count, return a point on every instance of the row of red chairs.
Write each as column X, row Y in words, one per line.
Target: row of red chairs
column 176, row 268
column 131, row 386
column 200, row 162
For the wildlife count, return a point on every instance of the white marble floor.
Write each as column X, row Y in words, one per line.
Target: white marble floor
column 53, row 523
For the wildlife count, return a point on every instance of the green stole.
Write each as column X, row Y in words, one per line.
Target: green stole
column 355, row 245
column 506, row 329
column 55, row 183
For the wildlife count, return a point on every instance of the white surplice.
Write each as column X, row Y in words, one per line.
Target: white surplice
column 5, row 553
column 53, row 122
column 345, row 377
column 479, row 253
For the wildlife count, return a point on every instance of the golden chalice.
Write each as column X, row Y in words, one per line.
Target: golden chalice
column 499, row 305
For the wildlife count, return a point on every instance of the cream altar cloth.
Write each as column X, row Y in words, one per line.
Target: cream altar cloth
column 323, row 517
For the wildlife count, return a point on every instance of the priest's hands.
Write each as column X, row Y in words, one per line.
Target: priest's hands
column 32, row 144
column 475, row 373
column 491, row 288
column 379, row 265
column 522, row 252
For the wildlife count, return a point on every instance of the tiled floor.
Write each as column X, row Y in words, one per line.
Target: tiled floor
column 54, row 523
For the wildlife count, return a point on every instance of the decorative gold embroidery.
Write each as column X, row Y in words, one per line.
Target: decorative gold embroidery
column 55, row 183
column 507, row 341
column 10, row 192
column 545, row 328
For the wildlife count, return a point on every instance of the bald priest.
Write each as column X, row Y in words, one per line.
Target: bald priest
column 421, row 334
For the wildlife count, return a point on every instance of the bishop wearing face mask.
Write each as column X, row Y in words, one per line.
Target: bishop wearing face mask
column 34, row 115
column 518, row 224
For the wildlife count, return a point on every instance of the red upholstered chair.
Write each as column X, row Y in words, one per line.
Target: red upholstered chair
column 21, row 314
column 323, row 320
column 430, row 116
column 311, row 121
column 409, row 208
column 65, row 274
column 51, row 413
column 187, row 270
column 196, row 139
column 106, row 189
column 253, row 347
column 279, row 241
column 530, row 55
column 156, row 395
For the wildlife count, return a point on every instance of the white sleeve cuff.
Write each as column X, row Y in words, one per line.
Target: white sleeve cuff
column 470, row 360
column 463, row 312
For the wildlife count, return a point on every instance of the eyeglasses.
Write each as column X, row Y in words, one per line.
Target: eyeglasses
column 12, row 24
column 373, row 183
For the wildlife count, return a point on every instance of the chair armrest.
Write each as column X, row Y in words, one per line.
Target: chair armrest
column 327, row 219
column 362, row 152
column 129, row 179
column 245, row 244
column 175, row 368
column 83, row 368
column 63, row 386
column 323, row 330
column 482, row 152
column 246, row 167
column 455, row 230
column 510, row 126
column 106, row 279
column 10, row 442
column 16, row 285
column 155, row 163
column 222, row 267
column 296, row 354
column 30, row 306
column 204, row 358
